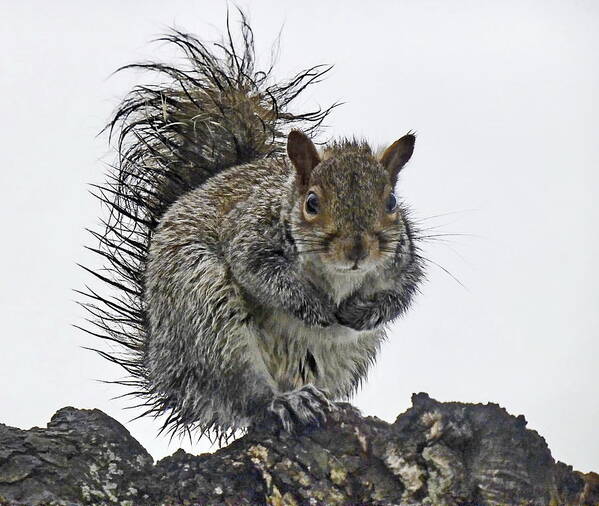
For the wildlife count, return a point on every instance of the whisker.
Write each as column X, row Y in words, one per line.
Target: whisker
column 302, row 241
column 442, row 215
column 443, row 269
column 446, row 235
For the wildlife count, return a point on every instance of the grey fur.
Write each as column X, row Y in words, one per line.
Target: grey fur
column 231, row 307
column 235, row 308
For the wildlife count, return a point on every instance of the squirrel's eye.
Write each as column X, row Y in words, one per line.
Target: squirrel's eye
column 312, row 205
column 391, row 205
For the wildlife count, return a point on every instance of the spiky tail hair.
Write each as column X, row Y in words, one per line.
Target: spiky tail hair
column 217, row 112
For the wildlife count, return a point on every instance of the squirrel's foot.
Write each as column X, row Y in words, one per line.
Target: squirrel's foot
column 299, row 408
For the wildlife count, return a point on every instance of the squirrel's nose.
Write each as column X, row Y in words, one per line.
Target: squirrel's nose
column 358, row 250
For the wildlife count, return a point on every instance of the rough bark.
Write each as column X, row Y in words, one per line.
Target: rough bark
column 434, row 453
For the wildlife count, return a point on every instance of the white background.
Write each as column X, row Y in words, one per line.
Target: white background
column 503, row 96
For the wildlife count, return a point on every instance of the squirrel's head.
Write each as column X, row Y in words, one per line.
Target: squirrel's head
column 347, row 212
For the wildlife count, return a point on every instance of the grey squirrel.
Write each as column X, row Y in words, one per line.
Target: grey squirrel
column 254, row 275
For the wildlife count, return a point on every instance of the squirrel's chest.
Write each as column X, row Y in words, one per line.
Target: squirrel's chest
column 338, row 286
column 333, row 358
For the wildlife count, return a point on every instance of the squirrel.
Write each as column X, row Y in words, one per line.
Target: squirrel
column 254, row 273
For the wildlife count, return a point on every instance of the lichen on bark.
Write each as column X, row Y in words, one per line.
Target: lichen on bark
column 434, row 453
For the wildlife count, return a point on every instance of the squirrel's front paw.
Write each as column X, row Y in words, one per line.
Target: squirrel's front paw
column 302, row 407
column 357, row 315
column 320, row 319
column 316, row 311
column 320, row 310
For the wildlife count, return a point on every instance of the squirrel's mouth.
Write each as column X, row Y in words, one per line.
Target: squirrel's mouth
column 353, row 269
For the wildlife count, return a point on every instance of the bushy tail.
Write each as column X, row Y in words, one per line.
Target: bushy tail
column 217, row 112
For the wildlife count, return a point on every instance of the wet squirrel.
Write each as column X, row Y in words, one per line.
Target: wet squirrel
column 254, row 274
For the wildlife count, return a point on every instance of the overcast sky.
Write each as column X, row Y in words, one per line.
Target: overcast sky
column 503, row 96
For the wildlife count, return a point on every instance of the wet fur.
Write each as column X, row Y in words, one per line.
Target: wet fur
column 220, row 309
column 247, row 333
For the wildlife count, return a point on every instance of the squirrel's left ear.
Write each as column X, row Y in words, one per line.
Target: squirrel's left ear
column 398, row 154
column 302, row 154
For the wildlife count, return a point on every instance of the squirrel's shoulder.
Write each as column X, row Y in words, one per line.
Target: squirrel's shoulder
column 256, row 188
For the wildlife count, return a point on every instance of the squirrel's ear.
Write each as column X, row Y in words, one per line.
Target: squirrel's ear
column 302, row 154
column 398, row 154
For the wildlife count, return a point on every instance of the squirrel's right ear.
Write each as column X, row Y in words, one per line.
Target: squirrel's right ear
column 302, row 154
column 398, row 154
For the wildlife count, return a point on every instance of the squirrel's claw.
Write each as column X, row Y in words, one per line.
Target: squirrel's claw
column 300, row 408
column 322, row 396
column 281, row 415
